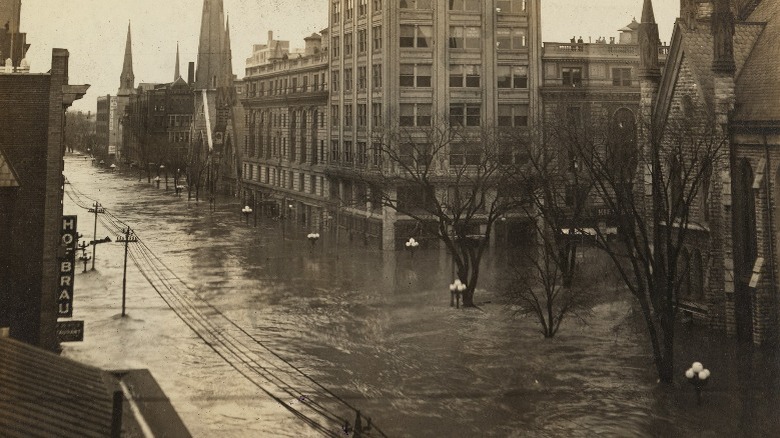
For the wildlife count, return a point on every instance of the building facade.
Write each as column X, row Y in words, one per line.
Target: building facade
column 13, row 43
column 285, row 102
column 411, row 65
column 31, row 193
column 721, row 77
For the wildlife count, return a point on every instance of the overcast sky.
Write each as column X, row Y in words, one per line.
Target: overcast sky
column 94, row 31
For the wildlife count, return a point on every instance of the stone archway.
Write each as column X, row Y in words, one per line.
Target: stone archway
column 744, row 246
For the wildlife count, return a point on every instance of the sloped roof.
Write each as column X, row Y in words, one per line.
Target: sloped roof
column 7, row 174
column 42, row 394
column 758, row 85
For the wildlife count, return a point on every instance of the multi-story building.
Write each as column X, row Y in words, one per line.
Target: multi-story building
column 592, row 83
column 31, row 192
column 13, row 44
column 412, row 64
column 285, row 102
column 105, row 126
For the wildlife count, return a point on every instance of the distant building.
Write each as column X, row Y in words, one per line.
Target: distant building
column 31, row 192
column 105, row 127
column 410, row 64
column 285, row 101
column 721, row 74
column 262, row 54
column 13, row 44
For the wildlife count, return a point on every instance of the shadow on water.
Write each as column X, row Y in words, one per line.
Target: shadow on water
column 376, row 328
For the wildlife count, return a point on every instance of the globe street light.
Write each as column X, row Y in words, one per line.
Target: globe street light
column 697, row 376
column 157, row 181
column 162, row 169
column 247, row 210
column 313, row 237
column 456, row 289
column 412, row 245
column 113, row 167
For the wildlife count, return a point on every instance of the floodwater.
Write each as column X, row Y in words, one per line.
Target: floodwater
column 252, row 331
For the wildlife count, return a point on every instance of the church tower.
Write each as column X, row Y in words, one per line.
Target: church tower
column 176, row 73
column 127, row 79
column 211, row 45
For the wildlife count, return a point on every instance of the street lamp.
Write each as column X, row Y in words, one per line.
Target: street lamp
column 162, row 169
column 412, row 245
column 113, row 167
column 313, row 237
column 456, row 289
column 157, row 181
column 247, row 210
column 697, row 376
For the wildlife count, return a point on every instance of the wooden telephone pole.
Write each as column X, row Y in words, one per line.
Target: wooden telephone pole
column 129, row 236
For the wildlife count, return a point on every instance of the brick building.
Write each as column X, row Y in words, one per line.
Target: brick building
column 32, row 112
column 722, row 74
column 285, row 102
column 475, row 63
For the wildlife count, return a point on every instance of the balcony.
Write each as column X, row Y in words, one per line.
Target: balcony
column 598, row 50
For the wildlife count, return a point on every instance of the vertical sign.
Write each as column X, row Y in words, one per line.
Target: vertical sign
column 66, row 263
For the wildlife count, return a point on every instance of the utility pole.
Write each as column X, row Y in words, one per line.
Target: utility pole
column 129, row 237
column 96, row 209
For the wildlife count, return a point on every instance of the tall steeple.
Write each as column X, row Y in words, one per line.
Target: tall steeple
column 211, row 45
column 127, row 79
column 176, row 74
column 649, row 43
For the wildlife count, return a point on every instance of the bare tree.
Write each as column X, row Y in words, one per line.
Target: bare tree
column 649, row 195
column 448, row 179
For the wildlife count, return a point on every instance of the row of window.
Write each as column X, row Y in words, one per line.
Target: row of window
column 502, row 6
column 280, row 118
column 419, row 76
column 572, row 76
column 421, row 114
column 462, row 37
column 283, row 178
column 295, row 84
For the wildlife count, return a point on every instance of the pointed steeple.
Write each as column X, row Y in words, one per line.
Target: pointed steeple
column 176, row 74
column 227, row 61
column 649, row 43
column 212, row 31
column 127, row 79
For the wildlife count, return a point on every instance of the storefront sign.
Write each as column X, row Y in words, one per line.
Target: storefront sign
column 69, row 239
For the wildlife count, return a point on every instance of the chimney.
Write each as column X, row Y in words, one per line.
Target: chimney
column 191, row 73
column 270, row 37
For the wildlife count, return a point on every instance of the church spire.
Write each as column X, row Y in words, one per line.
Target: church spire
column 210, row 48
column 176, row 74
column 127, row 79
column 649, row 43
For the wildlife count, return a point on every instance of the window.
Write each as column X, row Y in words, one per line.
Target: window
column 415, row 75
column 334, row 115
column 347, row 44
column 512, row 115
column 361, row 114
column 362, row 41
column 465, row 114
column 415, row 114
column 376, row 114
column 376, row 154
column 572, row 76
column 465, row 5
column 361, row 156
column 416, row 36
column 362, row 7
column 334, row 150
column 511, row 39
column 377, row 5
column 511, row 6
column 465, row 37
column 376, row 38
column 337, row 11
column 512, row 77
column 305, row 85
column 335, row 48
column 621, row 77
column 348, row 152
column 376, row 75
column 465, row 76
column 347, row 79
column 349, row 10
column 294, row 85
column 468, row 155
column 414, row 4
column 348, row 115
column 362, row 79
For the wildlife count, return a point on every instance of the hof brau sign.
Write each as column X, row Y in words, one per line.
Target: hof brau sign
column 69, row 238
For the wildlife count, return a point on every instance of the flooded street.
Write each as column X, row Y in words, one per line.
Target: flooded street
column 237, row 322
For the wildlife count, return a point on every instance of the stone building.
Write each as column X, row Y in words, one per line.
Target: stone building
column 285, row 102
column 410, row 64
column 31, row 191
column 722, row 73
column 13, row 43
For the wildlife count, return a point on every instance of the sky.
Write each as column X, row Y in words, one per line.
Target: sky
column 94, row 32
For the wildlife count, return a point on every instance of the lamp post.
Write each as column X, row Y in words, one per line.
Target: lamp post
column 113, row 167
column 162, row 170
column 456, row 289
column 247, row 210
column 157, row 181
column 412, row 245
column 313, row 237
column 697, row 376
column 84, row 257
